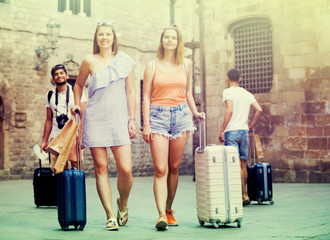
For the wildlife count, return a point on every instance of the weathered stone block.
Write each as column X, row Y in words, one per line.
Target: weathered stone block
column 280, row 176
column 296, row 108
column 249, row 8
column 315, row 131
column 311, row 96
column 292, row 155
column 315, row 107
column 277, row 120
column 293, row 119
column 279, row 164
column 276, row 97
column 313, row 73
column 326, row 177
column 325, row 94
column 307, row 164
column 297, row 73
column 316, row 154
column 324, row 163
column 298, row 131
column 317, row 143
column 322, row 119
column 294, row 143
column 301, row 176
column 281, row 131
column 315, row 177
column 326, row 72
column 327, row 131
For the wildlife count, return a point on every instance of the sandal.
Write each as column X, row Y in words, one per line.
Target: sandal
column 112, row 224
column 122, row 217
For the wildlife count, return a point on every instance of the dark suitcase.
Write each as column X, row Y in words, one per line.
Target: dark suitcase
column 259, row 183
column 71, row 199
column 44, row 186
column 71, row 193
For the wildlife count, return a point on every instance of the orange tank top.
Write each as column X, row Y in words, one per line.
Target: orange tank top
column 169, row 89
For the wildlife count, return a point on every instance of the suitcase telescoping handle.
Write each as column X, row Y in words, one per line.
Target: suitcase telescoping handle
column 201, row 147
column 48, row 160
column 78, row 147
column 254, row 150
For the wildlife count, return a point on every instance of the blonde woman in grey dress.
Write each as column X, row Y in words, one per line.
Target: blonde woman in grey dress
column 109, row 117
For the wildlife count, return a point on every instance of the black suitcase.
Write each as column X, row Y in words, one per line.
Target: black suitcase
column 44, row 186
column 259, row 183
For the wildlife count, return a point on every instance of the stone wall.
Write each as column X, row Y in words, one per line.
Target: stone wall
column 294, row 127
column 22, row 88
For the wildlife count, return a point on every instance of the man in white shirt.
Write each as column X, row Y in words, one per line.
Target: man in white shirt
column 235, row 128
column 58, row 104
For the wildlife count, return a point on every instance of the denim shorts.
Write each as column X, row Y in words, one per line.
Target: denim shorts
column 171, row 121
column 239, row 139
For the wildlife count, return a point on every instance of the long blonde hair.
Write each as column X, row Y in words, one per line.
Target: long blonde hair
column 96, row 48
column 178, row 50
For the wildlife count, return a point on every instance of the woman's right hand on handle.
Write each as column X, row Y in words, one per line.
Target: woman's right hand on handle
column 74, row 111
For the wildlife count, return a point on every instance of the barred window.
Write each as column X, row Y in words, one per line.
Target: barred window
column 75, row 6
column 254, row 56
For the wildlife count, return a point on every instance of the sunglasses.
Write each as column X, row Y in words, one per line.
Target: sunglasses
column 105, row 23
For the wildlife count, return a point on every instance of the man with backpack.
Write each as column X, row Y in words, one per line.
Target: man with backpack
column 58, row 104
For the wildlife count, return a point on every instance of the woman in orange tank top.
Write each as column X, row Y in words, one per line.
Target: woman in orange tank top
column 167, row 108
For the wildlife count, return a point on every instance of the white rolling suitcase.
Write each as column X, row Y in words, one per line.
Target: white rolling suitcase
column 218, row 183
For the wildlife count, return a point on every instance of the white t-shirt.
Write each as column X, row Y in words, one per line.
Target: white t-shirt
column 61, row 107
column 242, row 100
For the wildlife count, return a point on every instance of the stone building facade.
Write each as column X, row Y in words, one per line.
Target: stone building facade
column 23, row 88
column 283, row 50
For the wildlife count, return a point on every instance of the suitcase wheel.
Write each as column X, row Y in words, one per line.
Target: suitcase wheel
column 271, row 202
column 201, row 222
column 215, row 225
column 65, row 227
column 238, row 224
column 81, row 227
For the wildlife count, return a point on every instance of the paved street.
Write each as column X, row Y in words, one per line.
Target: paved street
column 301, row 211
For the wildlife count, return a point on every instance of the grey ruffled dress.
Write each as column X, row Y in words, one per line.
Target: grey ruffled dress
column 106, row 113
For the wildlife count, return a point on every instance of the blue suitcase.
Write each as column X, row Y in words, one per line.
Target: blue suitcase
column 259, row 182
column 71, row 201
column 71, row 194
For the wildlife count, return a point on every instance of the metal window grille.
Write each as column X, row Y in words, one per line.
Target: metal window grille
column 74, row 6
column 254, row 56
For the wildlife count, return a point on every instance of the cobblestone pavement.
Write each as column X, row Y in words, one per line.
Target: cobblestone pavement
column 301, row 211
